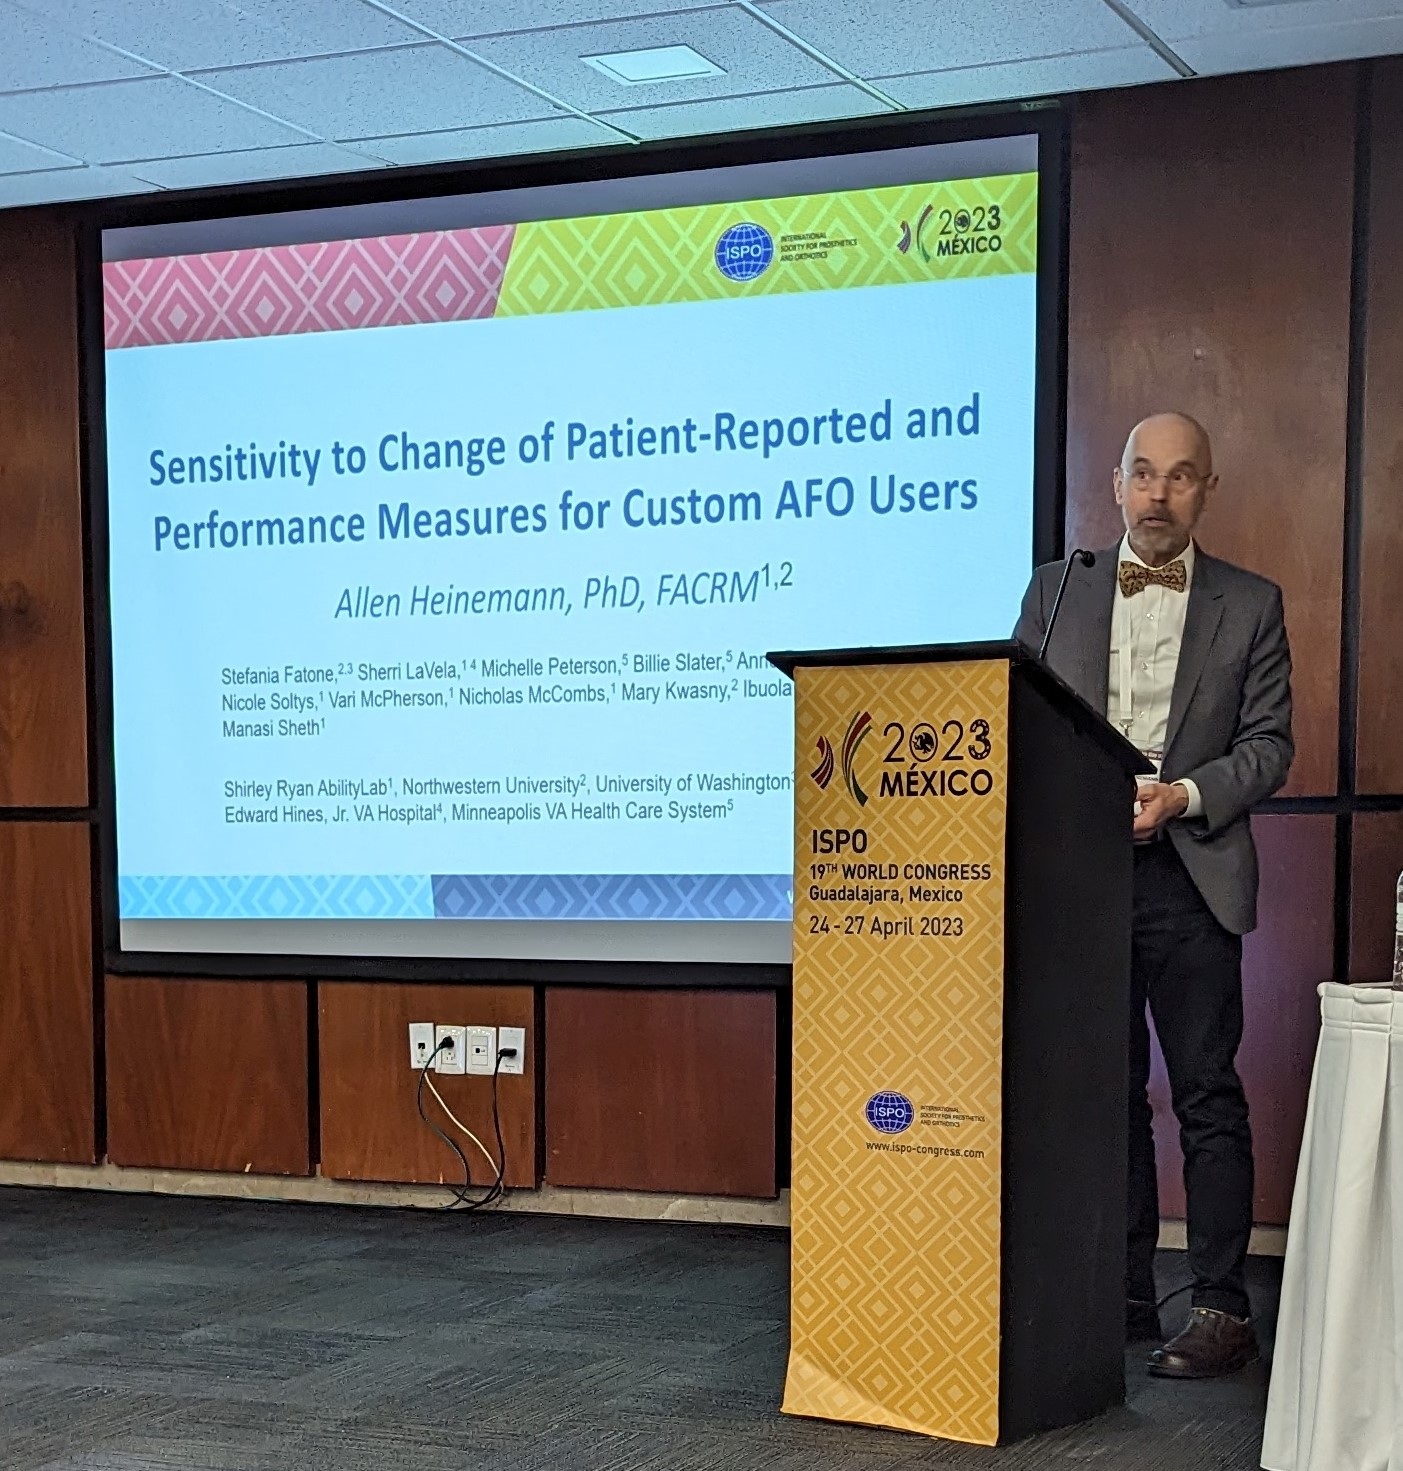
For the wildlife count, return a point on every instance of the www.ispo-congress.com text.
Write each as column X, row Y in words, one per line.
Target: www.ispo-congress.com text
column 891, row 1148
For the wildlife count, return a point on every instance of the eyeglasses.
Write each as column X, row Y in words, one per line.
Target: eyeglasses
column 1179, row 479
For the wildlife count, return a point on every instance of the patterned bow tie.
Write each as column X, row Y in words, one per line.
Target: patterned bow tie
column 1134, row 577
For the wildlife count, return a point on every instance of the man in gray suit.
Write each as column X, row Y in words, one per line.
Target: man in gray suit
column 1188, row 656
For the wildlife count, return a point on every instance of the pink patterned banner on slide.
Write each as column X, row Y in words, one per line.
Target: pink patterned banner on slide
column 280, row 290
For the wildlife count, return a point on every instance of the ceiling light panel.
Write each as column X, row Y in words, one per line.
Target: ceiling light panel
column 752, row 57
column 654, row 64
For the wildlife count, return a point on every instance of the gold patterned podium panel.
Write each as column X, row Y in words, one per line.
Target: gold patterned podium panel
column 900, row 808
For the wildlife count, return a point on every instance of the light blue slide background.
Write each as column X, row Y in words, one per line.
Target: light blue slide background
column 179, row 617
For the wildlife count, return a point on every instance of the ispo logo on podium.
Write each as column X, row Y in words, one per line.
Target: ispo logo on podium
column 744, row 252
column 910, row 767
column 859, row 727
column 890, row 1113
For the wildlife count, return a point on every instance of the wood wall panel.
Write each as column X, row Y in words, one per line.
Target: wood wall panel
column 1379, row 739
column 370, row 1127
column 46, row 992
column 661, row 1090
column 208, row 1075
column 1209, row 271
column 1283, row 962
column 43, row 679
column 1376, row 860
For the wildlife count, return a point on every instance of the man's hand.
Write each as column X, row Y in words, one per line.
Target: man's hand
column 1160, row 802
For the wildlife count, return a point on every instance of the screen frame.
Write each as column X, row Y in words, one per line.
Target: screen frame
column 1045, row 119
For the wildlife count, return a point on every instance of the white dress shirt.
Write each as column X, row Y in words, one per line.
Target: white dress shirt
column 1147, row 631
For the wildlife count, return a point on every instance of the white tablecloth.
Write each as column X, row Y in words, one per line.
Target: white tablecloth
column 1336, row 1401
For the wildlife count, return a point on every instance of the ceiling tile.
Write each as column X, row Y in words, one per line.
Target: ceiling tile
column 149, row 118
column 461, row 144
column 61, row 185
column 487, row 17
column 33, row 54
column 1175, row 20
column 206, row 170
column 1047, row 77
column 411, row 90
column 19, row 157
column 884, row 37
column 754, row 58
column 740, row 114
column 195, row 33
column 1220, row 54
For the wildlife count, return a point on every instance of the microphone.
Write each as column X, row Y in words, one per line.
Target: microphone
column 1087, row 559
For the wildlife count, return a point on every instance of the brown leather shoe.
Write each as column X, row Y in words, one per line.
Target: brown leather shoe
column 1142, row 1323
column 1211, row 1344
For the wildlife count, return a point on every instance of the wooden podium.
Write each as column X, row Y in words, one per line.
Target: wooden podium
column 962, row 893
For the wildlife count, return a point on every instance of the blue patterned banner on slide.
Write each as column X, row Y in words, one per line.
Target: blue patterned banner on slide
column 453, row 896
column 665, row 896
column 260, row 896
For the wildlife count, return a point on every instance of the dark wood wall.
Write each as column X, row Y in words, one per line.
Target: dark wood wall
column 1376, row 836
column 1198, row 282
column 1213, row 269
column 1236, row 250
column 43, row 667
column 663, row 1091
column 1233, row 244
column 208, row 1075
column 49, row 1045
column 1379, row 747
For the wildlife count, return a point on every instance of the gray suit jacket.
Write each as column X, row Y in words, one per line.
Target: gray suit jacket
column 1229, row 718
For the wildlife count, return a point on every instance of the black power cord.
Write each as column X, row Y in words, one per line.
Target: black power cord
column 497, row 1190
column 451, row 1143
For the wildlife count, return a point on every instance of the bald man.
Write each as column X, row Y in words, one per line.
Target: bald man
column 1187, row 655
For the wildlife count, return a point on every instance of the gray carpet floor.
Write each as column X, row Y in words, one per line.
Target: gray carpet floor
column 145, row 1334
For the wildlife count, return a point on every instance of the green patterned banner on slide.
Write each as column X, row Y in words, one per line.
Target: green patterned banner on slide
column 812, row 242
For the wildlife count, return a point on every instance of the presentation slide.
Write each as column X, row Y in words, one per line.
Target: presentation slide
column 443, row 564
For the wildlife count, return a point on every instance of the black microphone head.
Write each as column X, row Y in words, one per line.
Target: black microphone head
column 1088, row 559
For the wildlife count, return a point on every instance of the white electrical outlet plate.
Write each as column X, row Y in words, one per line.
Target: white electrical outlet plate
column 481, row 1050
column 450, row 1060
column 421, row 1043
column 512, row 1037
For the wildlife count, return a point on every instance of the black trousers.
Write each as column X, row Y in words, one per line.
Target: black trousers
column 1188, row 969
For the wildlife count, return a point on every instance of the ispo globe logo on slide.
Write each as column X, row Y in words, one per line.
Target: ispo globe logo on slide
column 890, row 1113
column 744, row 252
